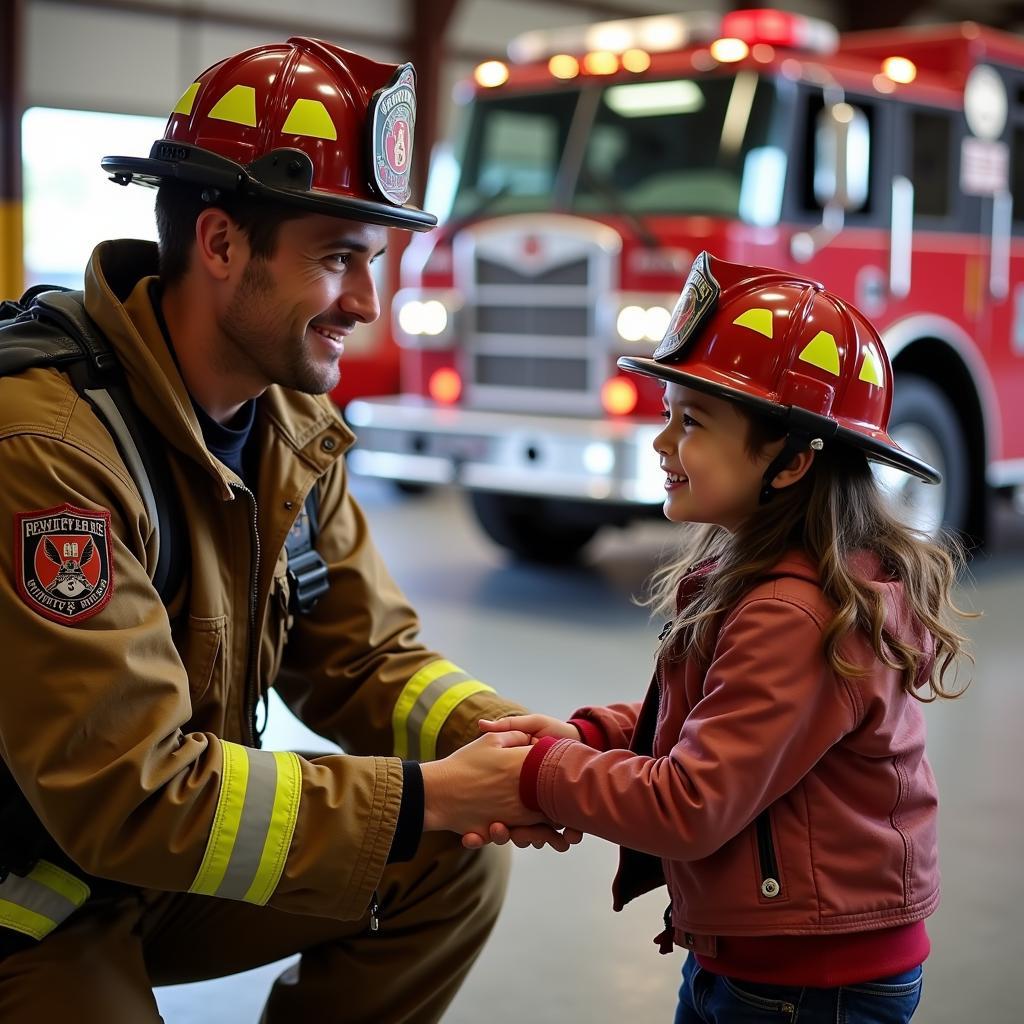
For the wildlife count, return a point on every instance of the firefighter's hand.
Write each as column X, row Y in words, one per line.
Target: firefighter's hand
column 523, row 836
column 536, row 726
column 476, row 785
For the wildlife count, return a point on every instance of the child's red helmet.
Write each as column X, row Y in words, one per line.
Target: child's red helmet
column 783, row 346
column 304, row 123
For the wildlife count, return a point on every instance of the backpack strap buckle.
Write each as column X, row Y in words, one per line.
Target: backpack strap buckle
column 307, row 570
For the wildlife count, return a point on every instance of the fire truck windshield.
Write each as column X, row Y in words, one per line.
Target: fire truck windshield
column 687, row 145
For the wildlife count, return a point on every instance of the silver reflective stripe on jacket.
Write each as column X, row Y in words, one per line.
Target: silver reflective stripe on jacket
column 424, row 705
column 253, row 826
column 36, row 903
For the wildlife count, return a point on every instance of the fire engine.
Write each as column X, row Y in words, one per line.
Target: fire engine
column 593, row 166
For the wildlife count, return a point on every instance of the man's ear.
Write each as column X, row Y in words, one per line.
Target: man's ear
column 795, row 471
column 222, row 249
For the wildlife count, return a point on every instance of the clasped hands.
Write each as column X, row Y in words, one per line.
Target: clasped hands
column 475, row 791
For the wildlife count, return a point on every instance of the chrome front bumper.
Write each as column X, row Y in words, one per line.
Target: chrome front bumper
column 414, row 440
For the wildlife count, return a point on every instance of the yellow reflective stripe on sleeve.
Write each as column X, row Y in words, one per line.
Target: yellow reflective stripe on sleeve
column 253, row 825
column 234, row 778
column 36, row 903
column 424, row 705
column 282, row 828
column 407, row 701
column 74, row 890
column 439, row 713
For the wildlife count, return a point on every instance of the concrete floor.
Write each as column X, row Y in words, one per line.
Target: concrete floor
column 556, row 639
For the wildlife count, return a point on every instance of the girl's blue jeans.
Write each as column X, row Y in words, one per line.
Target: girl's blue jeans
column 707, row 998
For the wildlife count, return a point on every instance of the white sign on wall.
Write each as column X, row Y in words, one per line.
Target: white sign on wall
column 984, row 166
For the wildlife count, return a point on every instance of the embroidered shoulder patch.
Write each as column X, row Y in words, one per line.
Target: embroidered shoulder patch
column 62, row 562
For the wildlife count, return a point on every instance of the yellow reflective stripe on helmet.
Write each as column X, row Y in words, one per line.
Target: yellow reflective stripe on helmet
column 425, row 703
column 36, row 903
column 310, row 117
column 187, row 101
column 237, row 105
column 252, row 826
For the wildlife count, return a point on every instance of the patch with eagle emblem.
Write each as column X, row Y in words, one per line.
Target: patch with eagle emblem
column 62, row 562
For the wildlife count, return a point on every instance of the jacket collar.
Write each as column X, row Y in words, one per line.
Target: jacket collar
column 117, row 297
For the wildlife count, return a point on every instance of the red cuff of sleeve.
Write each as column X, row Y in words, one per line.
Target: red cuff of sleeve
column 529, row 777
column 591, row 733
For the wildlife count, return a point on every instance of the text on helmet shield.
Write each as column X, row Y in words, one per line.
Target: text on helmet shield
column 393, row 122
column 696, row 301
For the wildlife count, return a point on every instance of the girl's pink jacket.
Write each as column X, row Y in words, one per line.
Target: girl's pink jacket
column 773, row 797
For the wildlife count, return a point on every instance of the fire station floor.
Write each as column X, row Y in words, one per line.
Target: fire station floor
column 555, row 639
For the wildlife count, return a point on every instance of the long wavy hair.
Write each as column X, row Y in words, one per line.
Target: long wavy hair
column 833, row 512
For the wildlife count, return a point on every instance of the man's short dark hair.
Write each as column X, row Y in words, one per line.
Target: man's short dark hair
column 177, row 208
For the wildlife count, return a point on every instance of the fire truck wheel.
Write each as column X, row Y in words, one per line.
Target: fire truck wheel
column 525, row 526
column 410, row 488
column 924, row 422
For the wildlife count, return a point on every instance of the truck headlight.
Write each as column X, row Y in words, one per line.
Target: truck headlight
column 639, row 323
column 422, row 321
column 435, row 317
column 428, row 317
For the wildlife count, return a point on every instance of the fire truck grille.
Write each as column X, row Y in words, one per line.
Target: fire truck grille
column 489, row 272
column 526, row 372
column 563, row 321
column 533, row 338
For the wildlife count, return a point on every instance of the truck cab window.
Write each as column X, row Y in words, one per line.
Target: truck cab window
column 931, row 163
column 675, row 146
column 512, row 153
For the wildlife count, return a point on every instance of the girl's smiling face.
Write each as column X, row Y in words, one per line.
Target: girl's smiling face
column 710, row 474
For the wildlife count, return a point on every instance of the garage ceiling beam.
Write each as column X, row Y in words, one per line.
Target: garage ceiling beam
column 427, row 48
column 603, row 10
column 274, row 27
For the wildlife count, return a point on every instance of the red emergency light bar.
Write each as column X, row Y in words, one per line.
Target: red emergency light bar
column 780, row 28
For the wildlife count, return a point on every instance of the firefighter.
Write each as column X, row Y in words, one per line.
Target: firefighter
column 146, row 838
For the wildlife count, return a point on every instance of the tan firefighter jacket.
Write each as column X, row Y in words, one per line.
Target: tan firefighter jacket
column 127, row 725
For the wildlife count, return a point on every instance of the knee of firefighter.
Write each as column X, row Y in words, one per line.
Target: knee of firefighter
column 489, row 873
column 465, row 883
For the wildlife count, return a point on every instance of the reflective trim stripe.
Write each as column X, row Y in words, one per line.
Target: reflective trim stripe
column 253, row 825
column 36, row 904
column 441, row 710
column 283, row 816
column 424, row 705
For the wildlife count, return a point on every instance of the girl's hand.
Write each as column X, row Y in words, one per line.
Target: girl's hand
column 533, row 725
column 523, row 836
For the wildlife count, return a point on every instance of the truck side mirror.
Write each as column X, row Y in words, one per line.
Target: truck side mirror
column 842, row 150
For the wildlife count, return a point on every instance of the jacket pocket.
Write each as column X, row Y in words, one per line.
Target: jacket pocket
column 201, row 644
column 768, row 862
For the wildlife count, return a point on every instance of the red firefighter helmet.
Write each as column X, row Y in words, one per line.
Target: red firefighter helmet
column 783, row 346
column 304, row 123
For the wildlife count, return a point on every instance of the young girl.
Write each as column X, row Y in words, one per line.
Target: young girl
column 775, row 776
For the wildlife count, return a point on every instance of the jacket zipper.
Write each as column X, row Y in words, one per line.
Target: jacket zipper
column 770, row 886
column 252, row 697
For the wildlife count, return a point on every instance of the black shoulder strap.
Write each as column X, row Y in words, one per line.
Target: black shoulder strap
column 51, row 328
column 307, row 570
